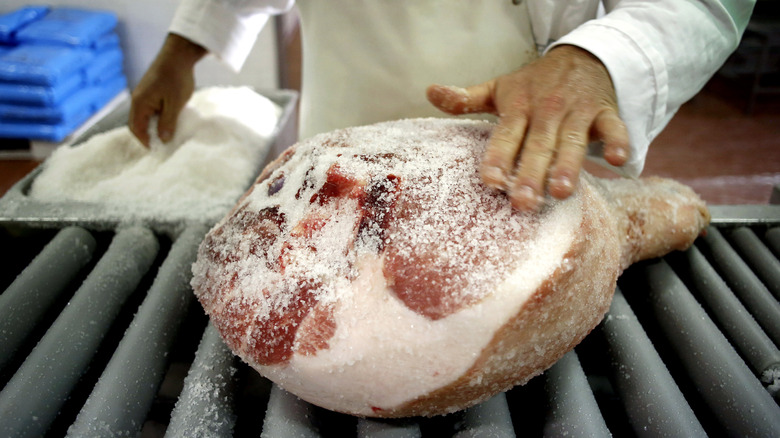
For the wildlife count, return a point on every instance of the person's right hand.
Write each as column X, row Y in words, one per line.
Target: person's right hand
column 165, row 88
column 549, row 111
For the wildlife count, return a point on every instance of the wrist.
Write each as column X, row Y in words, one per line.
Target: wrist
column 575, row 55
column 182, row 51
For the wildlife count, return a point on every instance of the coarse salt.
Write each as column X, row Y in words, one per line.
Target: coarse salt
column 222, row 136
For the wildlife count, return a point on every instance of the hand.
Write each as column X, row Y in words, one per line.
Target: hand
column 165, row 88
column 548, row 112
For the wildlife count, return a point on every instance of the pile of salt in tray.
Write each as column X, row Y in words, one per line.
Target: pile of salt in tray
column 222, row 136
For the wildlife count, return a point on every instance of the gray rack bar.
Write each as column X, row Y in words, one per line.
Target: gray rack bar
column 287, row 415
column 205, row 406
column 489, row 418
column 741, row 279
column 739, row 402
column 654, row 403
column 121, row 399
column 737, row 323
column 573, row 408
column 758, row 256
column 36, row 289
column 31, row 399
column 773, row 240
column 372, row 428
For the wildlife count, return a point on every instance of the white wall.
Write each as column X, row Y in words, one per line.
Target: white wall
column 142, row 28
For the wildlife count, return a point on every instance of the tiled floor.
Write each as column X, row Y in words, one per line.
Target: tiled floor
column 711, row 144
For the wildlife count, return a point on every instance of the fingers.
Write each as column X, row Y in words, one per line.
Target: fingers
column 609, row 128
column 457, row 100
column 500, row 155
column 166, row 124
column 537, row 154
column 572, row 145
column 138, row 122
column 549, row 111
column 552, row 155
column 165, row 88
column 162, row 99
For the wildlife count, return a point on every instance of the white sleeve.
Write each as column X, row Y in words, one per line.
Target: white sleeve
column 659, row 55
column 227, row 29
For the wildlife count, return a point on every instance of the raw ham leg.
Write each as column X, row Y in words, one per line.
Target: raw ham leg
column 369, row 271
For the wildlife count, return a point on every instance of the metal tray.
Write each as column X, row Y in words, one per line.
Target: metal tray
column 17, row 207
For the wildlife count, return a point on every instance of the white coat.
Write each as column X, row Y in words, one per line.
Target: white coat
column 658, row 53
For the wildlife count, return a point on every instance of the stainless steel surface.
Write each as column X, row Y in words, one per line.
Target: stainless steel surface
column 729, row 215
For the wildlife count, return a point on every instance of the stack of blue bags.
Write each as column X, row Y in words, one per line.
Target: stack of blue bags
column 58, row 66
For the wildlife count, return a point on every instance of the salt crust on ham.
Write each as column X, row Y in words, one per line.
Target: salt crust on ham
column 520, row 289
column 221, row 138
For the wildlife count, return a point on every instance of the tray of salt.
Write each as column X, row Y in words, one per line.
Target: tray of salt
column 105, row 178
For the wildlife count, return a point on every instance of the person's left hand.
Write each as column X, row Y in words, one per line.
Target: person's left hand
column 548, row 112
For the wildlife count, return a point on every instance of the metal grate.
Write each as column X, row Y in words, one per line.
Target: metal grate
column 100, row 336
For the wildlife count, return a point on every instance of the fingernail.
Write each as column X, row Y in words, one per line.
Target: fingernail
column 165, row 136
column 493, row 176
column 621, row 154
column 562, row 182
column 524, row 198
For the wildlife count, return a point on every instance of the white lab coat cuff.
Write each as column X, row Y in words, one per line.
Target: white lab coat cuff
column 639, row 75
column 215, row 26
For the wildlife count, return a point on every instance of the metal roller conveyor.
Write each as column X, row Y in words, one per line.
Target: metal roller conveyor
column 489, row 418
column 653, row 402
column 758, row 257
column 741, row 279
column 126, row 390
column 205, row 406
column 741, row 405
column 736, row 322
column 377, row 428
column 287, row 415
column 25, row 302
column 573, row 408
column 773, row 240
column 32, row 398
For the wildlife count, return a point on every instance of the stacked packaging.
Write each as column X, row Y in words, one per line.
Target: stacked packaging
column 58, row 66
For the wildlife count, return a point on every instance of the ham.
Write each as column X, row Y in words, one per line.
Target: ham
column 369, row 271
